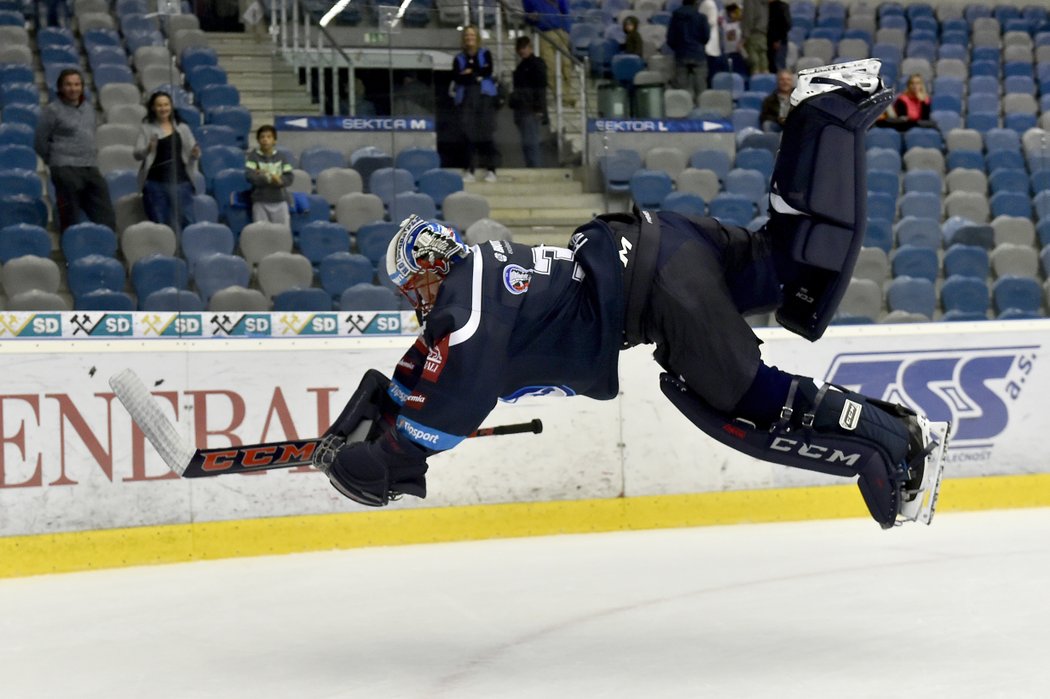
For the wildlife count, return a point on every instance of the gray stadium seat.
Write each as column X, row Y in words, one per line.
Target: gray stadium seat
column 258, row 240
column 356, row 209
column 30, row 273
column 237, row 299
column 146, row 238
column 280, row 271
column 461, row 209
column 335, row 182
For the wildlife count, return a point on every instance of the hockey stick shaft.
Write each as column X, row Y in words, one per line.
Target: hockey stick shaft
column 190, row 463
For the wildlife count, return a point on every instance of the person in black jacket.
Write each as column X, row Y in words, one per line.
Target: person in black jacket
column 777, row 35
column 529, row 99
column 504, row 320
column 687, row 36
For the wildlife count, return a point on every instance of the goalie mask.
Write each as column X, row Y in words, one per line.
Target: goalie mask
column 419, row 257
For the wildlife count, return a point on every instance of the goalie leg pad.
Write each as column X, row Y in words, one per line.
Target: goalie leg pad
column 873, row 444
column 818, row 204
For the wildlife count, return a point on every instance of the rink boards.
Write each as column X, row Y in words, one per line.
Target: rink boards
column 79, row 487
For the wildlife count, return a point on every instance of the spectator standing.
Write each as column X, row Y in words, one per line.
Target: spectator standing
column 777, row 104
column 734, row 41
column 270, row 176
column 755, row 28
column 529, row 99
column 475, row 98
column 777, row 37
column 687, row 36
column 551, row 18
column 632, row 39
column 65, row 140
column 713, row 47
column 169, row 155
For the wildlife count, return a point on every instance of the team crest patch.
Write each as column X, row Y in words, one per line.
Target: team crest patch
column 516, row 278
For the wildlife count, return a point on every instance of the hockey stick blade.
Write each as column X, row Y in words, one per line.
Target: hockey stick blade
column 147, row 415
column 199, row 463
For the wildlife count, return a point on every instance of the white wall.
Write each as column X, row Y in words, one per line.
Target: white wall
column 70, row 461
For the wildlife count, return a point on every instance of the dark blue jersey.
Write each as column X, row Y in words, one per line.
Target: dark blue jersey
column 508, row 321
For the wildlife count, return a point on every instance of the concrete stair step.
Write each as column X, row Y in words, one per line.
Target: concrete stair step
column 532, row 217
column 542, row 235
column 525, row 188
column 550, row 203
column 524, row 174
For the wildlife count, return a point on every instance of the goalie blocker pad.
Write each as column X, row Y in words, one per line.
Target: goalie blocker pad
column 837, row 453
column 821, row 172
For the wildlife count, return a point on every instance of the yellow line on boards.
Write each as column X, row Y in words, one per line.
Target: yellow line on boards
column 114, row 548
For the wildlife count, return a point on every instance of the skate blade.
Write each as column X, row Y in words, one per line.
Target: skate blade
column 922, row 507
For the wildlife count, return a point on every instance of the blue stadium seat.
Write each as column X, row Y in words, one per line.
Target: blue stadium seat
column 758, row 159
column 83, row 239
column 230, row 189
column 218, row 158
column 319, row 239
column 1012, row 293
column 625, row 66
column 911, row 295
column 649, row 187
column 968, row 233
column 121, row 183
column 194, row 56
column 94, row 272
column 237, row 119
column 732, row 208
column 921, row 205
column 747, row 183
column 302, row 300
column 211, row 135
column 949, row 85
column 944, row 102
column 438, row 184
column 882, row 207
column 202, row 76
column 884, row 182
column 1011, row 204
column 406, row 204
column 310, row 208
column 28, row 114
column 20, row 239
column 879, row 234
column 341, row 270
column 156, row 272
column 172, row 300
column 762, row 82
column 947, row 120
column 368, row 297
column 919, row 137
column 913, row 261
column 769, row 141
column 684, row 203
column 733, row 82
column 201, row 239
column 966, row 261
column 104, row 300
column 388, row 181
column 928, row 181
column 966, row 159
column 1009, row 180
column 717, row 161
column 373, row 238
column 112, row 73
column 218, row 271
column 16, row 209
column 17, row 157
column 982, row 121
column 24, row 183
column 998, row 159
column 919, row 232
column 744, row 118
column 886, row 159
column 966, row 295
column 319, row 158
column 417, row 161
column 16, row 135
column 212, row 96
column 883, row 138
column 1020, row 122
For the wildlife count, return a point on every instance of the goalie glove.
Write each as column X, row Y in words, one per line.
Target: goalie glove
column 374, row 473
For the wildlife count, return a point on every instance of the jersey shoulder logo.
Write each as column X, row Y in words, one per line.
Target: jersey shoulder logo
column 516, row 278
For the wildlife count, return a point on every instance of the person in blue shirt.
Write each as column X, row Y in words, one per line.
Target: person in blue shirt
column 687, row 36
column 502, row 320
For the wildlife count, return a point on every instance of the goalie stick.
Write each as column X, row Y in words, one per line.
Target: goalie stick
column 197, row 463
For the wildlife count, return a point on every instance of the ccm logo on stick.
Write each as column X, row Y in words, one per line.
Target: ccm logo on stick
column 257, row 457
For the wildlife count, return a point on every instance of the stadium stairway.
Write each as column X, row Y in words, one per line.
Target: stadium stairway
column 539, row 205
column 267, row 84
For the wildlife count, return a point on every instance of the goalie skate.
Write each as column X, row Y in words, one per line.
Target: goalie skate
column 918, row 503
column 858, row 75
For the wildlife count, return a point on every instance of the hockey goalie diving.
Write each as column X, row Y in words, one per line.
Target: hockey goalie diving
column 503, row 319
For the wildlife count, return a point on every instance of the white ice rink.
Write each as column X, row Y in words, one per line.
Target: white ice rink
column 815, row 609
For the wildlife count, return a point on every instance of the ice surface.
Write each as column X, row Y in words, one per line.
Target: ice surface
column 815, row 609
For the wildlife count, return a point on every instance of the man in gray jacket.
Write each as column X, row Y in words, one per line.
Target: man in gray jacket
column 65, row 139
